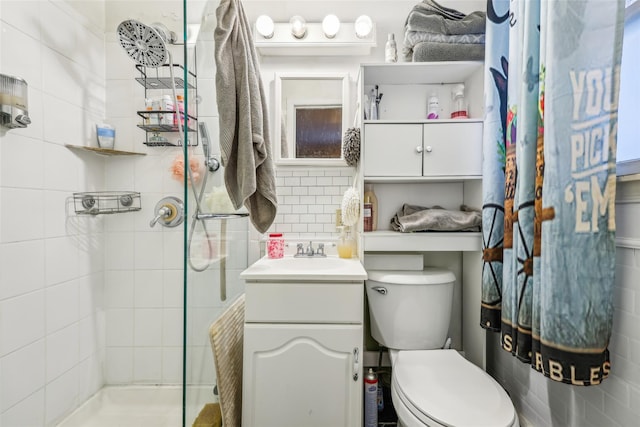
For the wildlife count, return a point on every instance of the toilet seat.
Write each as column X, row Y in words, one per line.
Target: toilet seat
column 440, row 387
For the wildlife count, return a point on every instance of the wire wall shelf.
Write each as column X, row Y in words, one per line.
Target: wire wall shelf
column 106, row 202
column 151, row 82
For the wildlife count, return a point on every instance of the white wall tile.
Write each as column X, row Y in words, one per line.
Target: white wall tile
column 61, row 305
column 62, row 351
column 119, row 289
column 21, row 268
column 61, row 394
column 27, row 311
column 147, row 327
column 119, row 328
column 61, row 260
column 172, row 330
column 21, row 15
column 148, row 288
column 119, row 365
column 171, row 365
column 27, row 413
column 172, row 283
column 148, row 251
column 23, row 373
column 25, row 222
column 119, row 251
column 147, row 364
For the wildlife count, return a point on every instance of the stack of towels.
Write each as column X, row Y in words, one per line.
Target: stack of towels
column 437, row 33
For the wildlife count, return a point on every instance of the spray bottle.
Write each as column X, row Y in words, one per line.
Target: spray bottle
column 370, row 399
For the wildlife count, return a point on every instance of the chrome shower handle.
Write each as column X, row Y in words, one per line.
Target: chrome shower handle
column 163, row 212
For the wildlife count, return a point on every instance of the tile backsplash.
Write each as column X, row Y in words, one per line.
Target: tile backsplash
column 308, row 199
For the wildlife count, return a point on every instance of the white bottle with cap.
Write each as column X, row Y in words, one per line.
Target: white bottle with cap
column 459, row 105
column 390, row 49
column 433, row 107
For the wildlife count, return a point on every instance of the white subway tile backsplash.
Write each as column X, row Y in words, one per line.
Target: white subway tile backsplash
column 291, row 200
column 285, row 191
column 299, row 228
column 292, row 219
column 299, row 209
column 323, row 200
column 324, row 181
column 316, row 191
column 308, row 181
column 292, row 181
column 299, row 191
column 308, row 200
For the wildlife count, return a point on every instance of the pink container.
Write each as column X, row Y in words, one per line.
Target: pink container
column 275, row 245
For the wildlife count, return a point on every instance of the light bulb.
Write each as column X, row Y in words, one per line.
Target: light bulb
column 265, row 26
column 330, row 26
column 363, row 26
column 298, row 26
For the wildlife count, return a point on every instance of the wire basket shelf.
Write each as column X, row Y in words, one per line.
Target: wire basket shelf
column 106, row 202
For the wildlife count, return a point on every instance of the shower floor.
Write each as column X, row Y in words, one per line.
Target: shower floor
column 130, row 406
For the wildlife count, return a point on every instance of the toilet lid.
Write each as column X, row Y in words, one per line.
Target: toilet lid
column 445, row 387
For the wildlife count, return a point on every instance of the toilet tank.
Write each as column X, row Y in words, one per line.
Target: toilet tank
column 410, row 310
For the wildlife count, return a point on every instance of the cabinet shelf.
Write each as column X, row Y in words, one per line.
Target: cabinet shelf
column 411, row 73
column 418, row 179
column 424, row 121
column 384, row 241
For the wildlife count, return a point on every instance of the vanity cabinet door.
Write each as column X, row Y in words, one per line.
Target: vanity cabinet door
column 392, row 149
column 302, row 375
column 452, row 149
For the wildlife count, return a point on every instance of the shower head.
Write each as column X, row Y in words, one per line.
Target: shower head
column 147, row 45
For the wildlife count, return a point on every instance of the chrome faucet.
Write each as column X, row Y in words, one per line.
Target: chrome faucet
column 309, row 252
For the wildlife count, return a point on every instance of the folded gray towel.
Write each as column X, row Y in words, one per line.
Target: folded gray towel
column 243, row 116
column 418, row 218
column 434, row 52
column 430, row 17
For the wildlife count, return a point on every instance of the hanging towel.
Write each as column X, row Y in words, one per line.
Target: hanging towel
column 418, row 218
column 244, row 129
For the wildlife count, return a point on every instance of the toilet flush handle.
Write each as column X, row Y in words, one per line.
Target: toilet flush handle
column 380, row 290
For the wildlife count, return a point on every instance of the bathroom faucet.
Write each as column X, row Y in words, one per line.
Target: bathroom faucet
column 309, row 252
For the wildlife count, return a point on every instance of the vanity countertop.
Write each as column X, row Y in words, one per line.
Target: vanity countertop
column 328, row 269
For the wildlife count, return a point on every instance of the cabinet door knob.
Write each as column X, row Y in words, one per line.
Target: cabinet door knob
column 428, row 149
column 419, row 149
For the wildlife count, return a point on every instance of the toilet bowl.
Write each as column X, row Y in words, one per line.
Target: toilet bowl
column 442, row 388
column 430, row 386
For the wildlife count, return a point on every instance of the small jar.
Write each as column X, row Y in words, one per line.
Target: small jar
column 275, row 245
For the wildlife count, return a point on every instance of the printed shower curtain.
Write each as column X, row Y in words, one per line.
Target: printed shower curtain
column 552, row 76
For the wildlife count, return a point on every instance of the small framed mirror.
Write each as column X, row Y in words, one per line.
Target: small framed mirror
column 311, row 113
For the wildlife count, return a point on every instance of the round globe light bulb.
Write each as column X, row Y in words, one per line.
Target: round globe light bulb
column 265, row 26
column 330, row 26
column 363, row 26
column 298, row 26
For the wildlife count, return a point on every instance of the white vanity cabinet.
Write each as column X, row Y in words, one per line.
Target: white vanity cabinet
column 303, row 339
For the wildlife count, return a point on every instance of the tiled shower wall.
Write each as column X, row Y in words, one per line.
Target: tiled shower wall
column 51, row 261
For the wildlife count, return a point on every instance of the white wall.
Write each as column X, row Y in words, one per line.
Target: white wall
column 51, row 262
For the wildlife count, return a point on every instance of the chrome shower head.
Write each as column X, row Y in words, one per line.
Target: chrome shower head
column 147, row 45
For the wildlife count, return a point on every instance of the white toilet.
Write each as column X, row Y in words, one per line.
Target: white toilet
column 430, row 386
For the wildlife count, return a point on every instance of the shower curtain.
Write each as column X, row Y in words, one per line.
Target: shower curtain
column 551, row 92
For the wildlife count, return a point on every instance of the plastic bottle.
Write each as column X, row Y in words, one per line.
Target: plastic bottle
column 371, row 399
column 156, row 105
column 150, row 119
column 459, row 105
column 180, row 112
column 167, row 105
column 390, row 49
column 371, row 199
column 433, row 107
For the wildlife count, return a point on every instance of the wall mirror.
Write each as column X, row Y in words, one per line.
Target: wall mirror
column 311, row 113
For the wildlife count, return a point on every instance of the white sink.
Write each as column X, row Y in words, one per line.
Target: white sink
column 330, row 268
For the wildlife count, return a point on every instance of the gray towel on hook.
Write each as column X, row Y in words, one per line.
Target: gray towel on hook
column 419, row 218
column 243, row 115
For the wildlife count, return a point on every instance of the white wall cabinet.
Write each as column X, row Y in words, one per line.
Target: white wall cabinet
column 302, row 356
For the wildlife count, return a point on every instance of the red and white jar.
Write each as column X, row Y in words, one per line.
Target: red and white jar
column 275, row 245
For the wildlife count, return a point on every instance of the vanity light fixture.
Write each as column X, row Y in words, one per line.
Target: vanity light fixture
column 298, row 26
column 265, row 26
column 330, row 26
column 363, row 26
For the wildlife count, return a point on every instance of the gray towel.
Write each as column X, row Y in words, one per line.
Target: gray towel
column 430, row 17
column 418, row 218
column 244, row 129
column 434, row 52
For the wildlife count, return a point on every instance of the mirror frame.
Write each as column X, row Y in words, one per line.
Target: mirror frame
column 279, row 109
